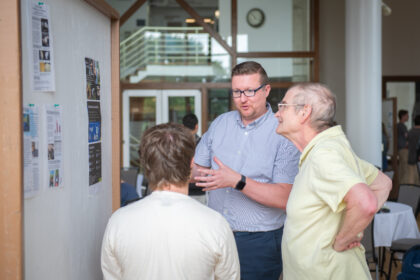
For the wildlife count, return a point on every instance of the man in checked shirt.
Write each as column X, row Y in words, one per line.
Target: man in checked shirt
column 248, row 171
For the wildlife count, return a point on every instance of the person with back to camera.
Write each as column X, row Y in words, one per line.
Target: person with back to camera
column 248, row 171
column 402, row 135
column 335, row 194
column 168, row 235
column 413, row 140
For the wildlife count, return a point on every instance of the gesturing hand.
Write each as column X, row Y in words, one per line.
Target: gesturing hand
column 217, row 178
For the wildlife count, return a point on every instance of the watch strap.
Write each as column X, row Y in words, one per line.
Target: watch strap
column 241, row 183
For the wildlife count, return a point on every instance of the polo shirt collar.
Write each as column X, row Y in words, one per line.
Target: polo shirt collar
column 328, row 133
column 258, row 121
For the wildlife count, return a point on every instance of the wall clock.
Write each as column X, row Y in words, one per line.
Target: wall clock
column 255, row 17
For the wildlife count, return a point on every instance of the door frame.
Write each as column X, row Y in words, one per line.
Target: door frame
column 161, row 115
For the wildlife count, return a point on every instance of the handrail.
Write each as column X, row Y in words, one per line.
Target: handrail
column 164, row 45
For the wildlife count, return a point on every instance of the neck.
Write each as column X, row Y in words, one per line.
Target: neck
column 305, row 136
column 173, row 188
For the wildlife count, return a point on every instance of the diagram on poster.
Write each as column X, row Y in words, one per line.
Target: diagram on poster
column 41, row 48
column 31, row 169
column 54, row 145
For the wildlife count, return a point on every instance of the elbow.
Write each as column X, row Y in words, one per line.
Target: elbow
column 388, row 185
column 370, row 205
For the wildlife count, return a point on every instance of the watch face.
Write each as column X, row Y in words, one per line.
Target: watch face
column 255, row 17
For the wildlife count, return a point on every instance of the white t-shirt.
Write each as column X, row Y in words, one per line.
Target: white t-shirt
column 168, row 235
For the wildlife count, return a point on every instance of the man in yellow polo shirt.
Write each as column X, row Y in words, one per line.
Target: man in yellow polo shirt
column 335, row 194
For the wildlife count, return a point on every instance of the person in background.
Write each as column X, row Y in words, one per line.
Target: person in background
column 191, row 121
column 248, row 171
column 413, row 140
column 335, row 194
column 385, row 148
column 402, row 135
column 168, row 235
column 128, row 194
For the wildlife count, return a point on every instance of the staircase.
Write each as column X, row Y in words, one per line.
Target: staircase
column 167, row 51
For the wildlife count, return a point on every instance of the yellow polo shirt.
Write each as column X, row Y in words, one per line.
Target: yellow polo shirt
column 328, row 168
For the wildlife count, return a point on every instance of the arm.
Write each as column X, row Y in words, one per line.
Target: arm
column 109, row 263
column 227, row 265
column 381, row 187
column 272, row 195
column 361, row 207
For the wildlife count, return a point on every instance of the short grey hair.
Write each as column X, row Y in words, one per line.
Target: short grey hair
column 321, row 100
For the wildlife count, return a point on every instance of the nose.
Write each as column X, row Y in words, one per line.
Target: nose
column 243, row 97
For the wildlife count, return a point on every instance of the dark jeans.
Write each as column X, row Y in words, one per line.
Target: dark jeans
column 260, row 254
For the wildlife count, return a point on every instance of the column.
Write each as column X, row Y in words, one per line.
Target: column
column 363, row 78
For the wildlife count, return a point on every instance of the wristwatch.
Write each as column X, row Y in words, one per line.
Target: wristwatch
column 241, row 183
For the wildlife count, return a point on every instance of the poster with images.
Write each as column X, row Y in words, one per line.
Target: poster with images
column 31, row 169
column 94, row 115
column 95, row 163
column 54, row 145
column 93, row 80
column 41, row 49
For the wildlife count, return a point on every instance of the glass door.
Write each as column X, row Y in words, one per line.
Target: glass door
column 145, row 108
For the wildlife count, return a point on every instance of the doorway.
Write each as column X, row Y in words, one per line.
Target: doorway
column 145, row 108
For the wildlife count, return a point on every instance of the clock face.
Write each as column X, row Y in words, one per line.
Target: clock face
column 255, row 17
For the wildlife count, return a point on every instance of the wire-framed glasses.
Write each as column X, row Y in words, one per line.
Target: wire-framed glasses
column 248, row 92
column 282, row 105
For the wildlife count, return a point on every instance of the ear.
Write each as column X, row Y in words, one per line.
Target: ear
column 267, row 90
column 305, row 113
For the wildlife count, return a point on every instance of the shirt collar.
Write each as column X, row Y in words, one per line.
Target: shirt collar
column 258, row 121
column 328, row 133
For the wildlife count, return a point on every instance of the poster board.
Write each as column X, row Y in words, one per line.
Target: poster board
column 64, row 221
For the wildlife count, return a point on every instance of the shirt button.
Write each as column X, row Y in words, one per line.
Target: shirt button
column 239, row 152
column 246, row 132
column 225, row 211
column 227, row 191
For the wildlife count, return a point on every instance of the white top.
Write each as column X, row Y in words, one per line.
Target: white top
column 397, row 224
column 168, row 235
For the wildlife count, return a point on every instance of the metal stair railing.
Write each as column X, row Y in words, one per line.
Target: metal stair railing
column 164, row 46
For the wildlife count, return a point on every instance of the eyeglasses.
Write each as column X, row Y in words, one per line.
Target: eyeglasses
column 248, row 92
column 282, row 105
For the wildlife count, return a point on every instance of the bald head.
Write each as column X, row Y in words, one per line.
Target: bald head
column 321, row 100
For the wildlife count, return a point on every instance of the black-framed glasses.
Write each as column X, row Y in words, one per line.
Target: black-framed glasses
column 282, row 105
column 248, row 92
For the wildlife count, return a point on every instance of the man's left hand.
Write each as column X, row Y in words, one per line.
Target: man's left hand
column 217, row 178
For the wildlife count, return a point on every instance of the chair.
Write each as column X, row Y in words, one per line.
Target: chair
column 370, row 250
column 408, row 194
column 129, row 175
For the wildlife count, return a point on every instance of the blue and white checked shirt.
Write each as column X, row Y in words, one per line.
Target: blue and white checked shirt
column 255, row 151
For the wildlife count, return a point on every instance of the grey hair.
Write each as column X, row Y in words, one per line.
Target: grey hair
column 321, row 100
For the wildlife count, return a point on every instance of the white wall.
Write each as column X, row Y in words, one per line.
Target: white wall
column 274, row 35
column 63, row 228
column 400, row 44
column 332, row 51
column 400, row 38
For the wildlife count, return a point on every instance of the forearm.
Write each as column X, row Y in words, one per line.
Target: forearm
column 271, row 195
column 355, row 221
column 361, row 205
column 381, row 187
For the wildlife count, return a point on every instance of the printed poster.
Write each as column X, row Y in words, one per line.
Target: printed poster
column 41, row 47
column 93, row 95
column 31, row 169
column 54, row 146
column 93, row 81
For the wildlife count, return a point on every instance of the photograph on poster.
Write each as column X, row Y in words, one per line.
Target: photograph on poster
column 93, row 81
